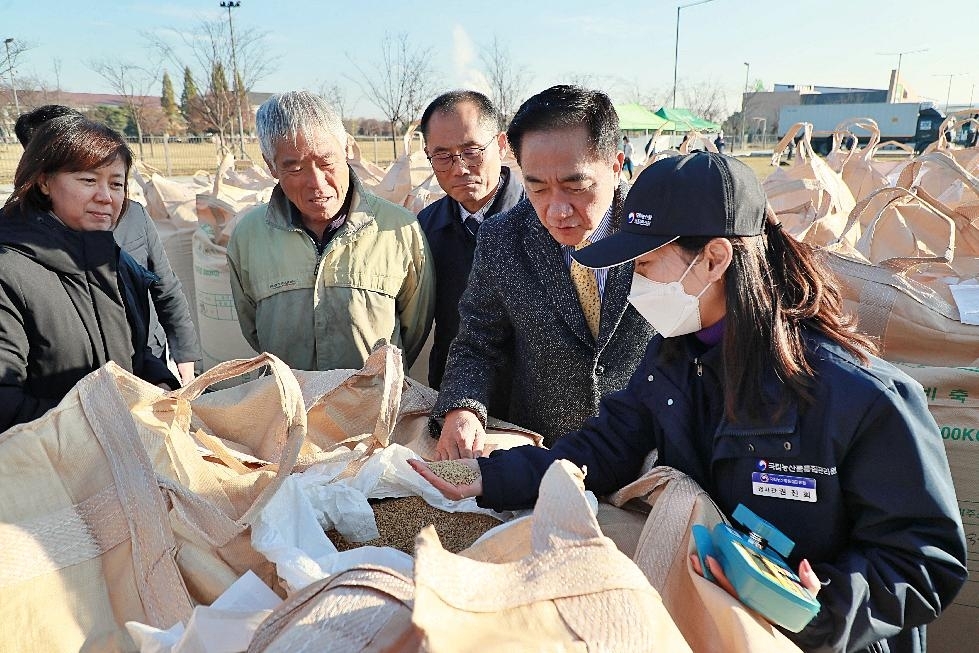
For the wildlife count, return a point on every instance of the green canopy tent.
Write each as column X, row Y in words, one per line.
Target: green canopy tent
column 684, row 120
column 635, row 117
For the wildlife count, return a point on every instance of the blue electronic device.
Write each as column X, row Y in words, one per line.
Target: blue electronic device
column 756, row 566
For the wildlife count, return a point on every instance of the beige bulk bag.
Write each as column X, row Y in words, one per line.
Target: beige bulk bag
column 549, row 582
column 953, row 399
column 711, row 620
column 365, row 609
column 405, row 173
column 857, row 167
column 809, row 198
column 375, row 405
column 213, row 501
column 85, row 543
column 217, row 319
column 940, row 175
column 172, row 206
column 895, row 280
column 967, row 157
column 697, row 138
column 424, row 194
column 369, row 173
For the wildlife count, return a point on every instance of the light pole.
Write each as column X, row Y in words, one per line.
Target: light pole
column 948, row 95
column 676, row 44
column 897, row 75
column 10, row 69
column 234, row 65
column 744, row 102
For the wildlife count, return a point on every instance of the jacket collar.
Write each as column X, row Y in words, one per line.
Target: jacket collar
column 38, row 236
column 360, row 214
column 511, row 192
column 545, row 254
column 779, row 406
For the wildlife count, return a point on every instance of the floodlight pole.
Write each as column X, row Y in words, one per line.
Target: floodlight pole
column 229, row 5
column 744, row 103
column 10, row 69
column 676, row 43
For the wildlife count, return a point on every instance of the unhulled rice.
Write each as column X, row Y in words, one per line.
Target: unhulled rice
column 400, row 520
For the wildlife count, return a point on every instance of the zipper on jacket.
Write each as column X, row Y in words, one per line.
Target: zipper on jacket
column 700, row 366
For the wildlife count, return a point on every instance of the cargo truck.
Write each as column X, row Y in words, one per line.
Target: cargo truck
column 913, row 123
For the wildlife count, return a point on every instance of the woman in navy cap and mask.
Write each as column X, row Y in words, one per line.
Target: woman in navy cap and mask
column 756, row 367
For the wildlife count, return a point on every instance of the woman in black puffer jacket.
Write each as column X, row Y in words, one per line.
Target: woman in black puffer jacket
column 70, row 299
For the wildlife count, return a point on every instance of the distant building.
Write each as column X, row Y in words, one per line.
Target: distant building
column 763, row 107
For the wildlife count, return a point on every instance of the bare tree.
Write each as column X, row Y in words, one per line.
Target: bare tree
column 209, row 49
column 705, row 99
column 133, row 83
column 507, row 81
column 400, row 83
column 16, row 47
column 335, row 96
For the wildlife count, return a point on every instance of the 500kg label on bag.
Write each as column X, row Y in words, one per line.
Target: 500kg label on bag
column 966, row 433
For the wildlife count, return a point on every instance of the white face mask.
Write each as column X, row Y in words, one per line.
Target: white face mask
column 667, row 306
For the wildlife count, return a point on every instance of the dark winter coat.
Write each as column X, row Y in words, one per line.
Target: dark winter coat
column 70, row 301
column 884, row 530
column 521, row 313
column 170, row 320
column 452, row 247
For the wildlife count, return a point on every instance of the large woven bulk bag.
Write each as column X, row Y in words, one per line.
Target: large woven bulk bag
column 212, row 501
column 369, row 173
column 810, row 199
column 85, row 542
column 710, row 619
column 172, row 205
column 217, row 319
column 375, row 405
column 953, row 399
column 366, row 609
column 407, row 172
column 896, row 280
column 557, row 584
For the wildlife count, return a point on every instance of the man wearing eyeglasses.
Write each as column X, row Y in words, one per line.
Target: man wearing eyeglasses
column 465, row 143
column 566, row 334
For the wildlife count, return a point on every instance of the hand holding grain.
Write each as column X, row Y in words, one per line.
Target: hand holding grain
column 455, row 479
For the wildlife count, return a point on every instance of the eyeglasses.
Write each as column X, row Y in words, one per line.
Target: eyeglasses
column 471, row 157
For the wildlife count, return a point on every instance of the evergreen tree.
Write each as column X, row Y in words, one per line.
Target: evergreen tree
column 189, row 95
column 219, row 81
column 168, row 101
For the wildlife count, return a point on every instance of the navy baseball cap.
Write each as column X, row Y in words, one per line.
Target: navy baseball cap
column 699, row 194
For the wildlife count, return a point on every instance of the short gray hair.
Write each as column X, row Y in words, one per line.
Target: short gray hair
column 287, row 115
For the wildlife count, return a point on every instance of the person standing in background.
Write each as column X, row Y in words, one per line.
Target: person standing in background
column 326, row 270
column 465, row 143
column 171, row 328
column 627, row 151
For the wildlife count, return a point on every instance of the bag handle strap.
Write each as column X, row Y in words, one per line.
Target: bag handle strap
column 163, row 594
column 291, row 403
column 897, row 195
column 805, row 144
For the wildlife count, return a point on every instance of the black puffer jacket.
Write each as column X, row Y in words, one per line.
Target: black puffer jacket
column 70, row 301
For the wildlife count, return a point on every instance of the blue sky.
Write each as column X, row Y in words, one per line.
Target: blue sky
column 624, row 48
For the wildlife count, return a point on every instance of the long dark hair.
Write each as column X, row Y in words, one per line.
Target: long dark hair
column 775, row 287
column 69, row 143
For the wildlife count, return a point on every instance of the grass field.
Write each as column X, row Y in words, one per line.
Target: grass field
column 182, row 159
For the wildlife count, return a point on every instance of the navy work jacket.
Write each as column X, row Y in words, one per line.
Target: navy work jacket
column 880, row 527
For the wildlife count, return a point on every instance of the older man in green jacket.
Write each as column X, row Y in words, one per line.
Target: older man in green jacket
column 326, row 269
